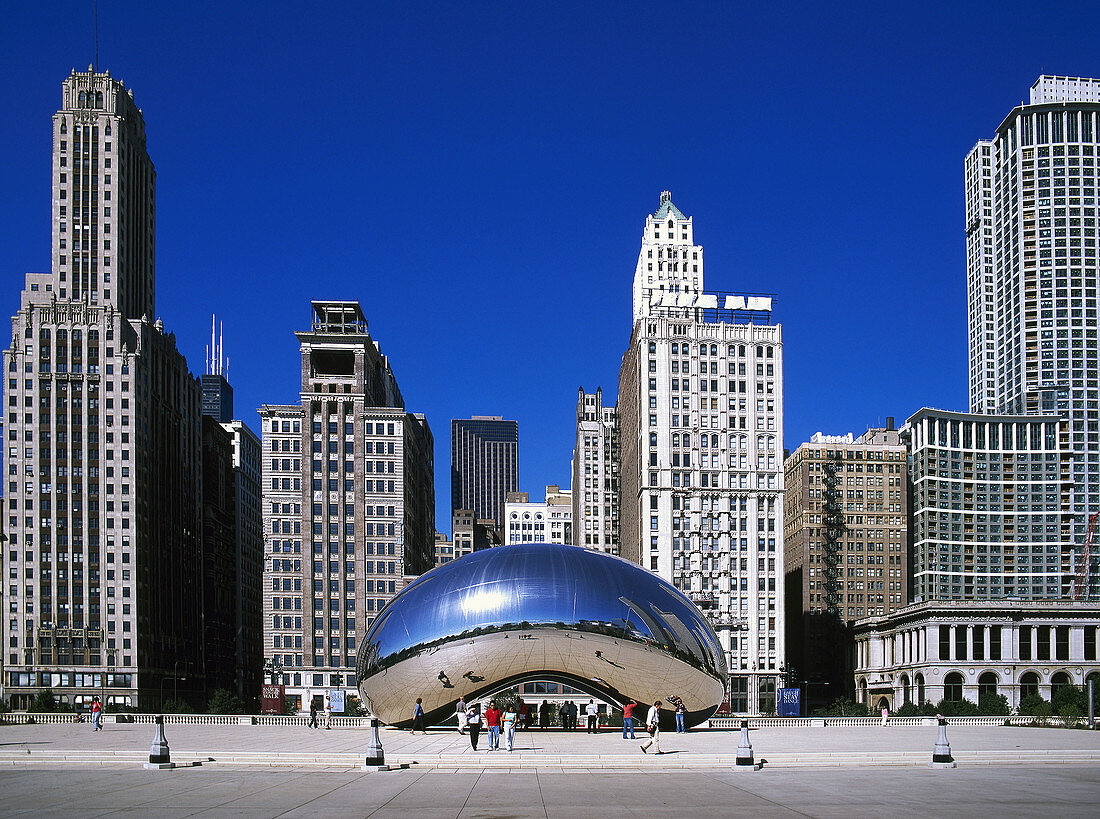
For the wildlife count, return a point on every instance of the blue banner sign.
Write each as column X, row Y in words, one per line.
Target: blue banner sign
column 789, row 702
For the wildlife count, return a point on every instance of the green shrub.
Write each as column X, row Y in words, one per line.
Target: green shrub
column 44, row 702
column 1069, row 696
column 962, row 708
column 842, row 708
column 1033, row 705
column 177, row 707
column 224, row 701
column 994, row 705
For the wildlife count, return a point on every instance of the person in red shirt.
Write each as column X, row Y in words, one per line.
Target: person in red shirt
column 97, row 715
column 628, row 719
column 492, row 722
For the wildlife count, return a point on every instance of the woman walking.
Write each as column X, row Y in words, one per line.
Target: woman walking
column 654, row 730
column 473, row 722
column 418, row 717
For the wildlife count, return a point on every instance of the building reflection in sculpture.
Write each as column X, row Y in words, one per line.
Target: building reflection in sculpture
column 552, row 612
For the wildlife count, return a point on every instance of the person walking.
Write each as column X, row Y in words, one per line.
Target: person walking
column 328, row 712
column 591, row 714
column 885, row 715
column 654, row 727
column 97, row 715
column 460, row 714
column 524, row 715
column 544, row 715
column 418, row 717
column 312, row 713
column 681, row 714
column 492, row 725
column 473, row 723
column 510, row 719
column 628, row 719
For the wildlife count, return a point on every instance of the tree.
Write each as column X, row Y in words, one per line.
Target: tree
column 994, row 705
column 44, row 702
column 1069, row 698
column 1033, row 705
column 224, row 701
column 173, row 706
column 842, row 708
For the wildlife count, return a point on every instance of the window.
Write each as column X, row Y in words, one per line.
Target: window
column 953, row 687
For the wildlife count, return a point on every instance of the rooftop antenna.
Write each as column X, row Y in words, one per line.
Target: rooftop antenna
column 95, row 27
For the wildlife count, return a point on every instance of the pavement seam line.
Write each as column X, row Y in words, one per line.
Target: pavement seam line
column 758, row 796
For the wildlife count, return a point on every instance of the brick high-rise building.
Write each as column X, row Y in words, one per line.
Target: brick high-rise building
column 348, row 503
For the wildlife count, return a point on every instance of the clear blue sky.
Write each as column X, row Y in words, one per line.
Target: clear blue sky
column 478, row 175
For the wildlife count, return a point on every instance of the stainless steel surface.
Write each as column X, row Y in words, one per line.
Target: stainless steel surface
column 539, row 611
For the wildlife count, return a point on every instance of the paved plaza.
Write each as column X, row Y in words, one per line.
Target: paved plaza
column 66, row 770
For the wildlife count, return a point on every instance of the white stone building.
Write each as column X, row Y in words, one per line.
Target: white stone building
column 548, row 522
column 701, row 416
column 955, row 650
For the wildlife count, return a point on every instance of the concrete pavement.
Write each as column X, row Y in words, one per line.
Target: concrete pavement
column 1064, row 791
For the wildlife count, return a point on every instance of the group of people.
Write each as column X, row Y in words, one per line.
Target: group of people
column 497, row 722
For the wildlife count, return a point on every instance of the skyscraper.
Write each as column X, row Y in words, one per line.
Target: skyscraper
column 1032, row 272
column 484, row 466
column 103, row 464
column 348, row 503
column 701, row 418
column 596, row 474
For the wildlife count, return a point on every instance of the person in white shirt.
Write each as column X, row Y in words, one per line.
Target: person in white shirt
column 460, row 712
column 328, row 712
column 654, row 726
column 593, row 713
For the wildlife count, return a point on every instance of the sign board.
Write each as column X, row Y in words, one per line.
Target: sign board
column 336, row 700
column 271, row 697
column 788, row 702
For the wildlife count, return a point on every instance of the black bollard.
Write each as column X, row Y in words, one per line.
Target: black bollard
column 376, row 758
column 159, row 754
column 941, row 753
column 745, row 760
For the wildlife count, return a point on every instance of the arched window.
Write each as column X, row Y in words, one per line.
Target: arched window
column 863, row 691
column 1059, row 680
column 987, row 684
column 953, row 687
column 905, row 689
column 64, row 127
column 920, row 688
column 1029, row 684
column 107, row 129
column 81, row 100
column 98, row 99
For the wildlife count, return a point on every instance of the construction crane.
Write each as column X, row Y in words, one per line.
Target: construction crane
column 1084, row 568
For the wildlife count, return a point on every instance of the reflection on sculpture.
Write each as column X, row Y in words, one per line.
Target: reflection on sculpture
column 538, row 611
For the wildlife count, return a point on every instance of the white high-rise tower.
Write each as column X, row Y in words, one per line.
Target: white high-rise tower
column 1032, row 271
column 701, row 419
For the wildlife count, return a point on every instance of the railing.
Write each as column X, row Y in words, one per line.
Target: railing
column 860, row 722
column 722, row 723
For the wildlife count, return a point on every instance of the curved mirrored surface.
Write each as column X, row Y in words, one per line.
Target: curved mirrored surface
column 538, row 611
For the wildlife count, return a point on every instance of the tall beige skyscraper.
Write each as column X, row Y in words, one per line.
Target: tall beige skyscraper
column 1033, row 273
column 103, row 522
column 596, row 466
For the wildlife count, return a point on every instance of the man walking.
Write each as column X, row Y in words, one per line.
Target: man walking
column 654, row 730
column 592, row 715
column 328, row 712
column 312, row 713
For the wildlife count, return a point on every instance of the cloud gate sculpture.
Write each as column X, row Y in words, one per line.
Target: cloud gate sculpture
column 540, row 611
